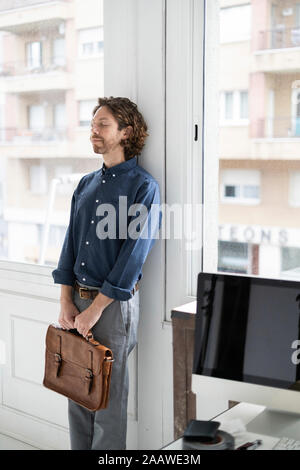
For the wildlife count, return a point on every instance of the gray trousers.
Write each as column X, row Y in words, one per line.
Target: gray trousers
column 117, row 329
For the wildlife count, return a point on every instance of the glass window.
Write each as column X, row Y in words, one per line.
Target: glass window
column 90, row 42
column 36, row 117
column 34, row 54
column 233, row 257
column 290, row 259
column 241, row 186
column 85, row 111
column 257, row 164
column 38, row 179
column 43, row 152
column 58, row 52
column 229, row 105
column 294, row 188
column 244, row 105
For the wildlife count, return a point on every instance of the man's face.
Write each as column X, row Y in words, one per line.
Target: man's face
column 105, row 136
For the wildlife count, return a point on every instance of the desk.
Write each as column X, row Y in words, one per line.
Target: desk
column 257, row 421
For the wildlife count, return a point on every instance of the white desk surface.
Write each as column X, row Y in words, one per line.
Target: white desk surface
column 244, row 413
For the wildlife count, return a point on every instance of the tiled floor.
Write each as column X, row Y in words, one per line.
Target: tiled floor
column 8, row 443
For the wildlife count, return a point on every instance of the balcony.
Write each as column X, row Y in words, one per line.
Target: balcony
column 279, row 38
column 278, row 128
column 14, row 4
column 278, row 51
column 13, row 68
column 15, row 17
column 276, row 138
column 47, row 142
column 19, row 76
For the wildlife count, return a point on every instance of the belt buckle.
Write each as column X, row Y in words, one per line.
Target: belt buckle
column 84, row 289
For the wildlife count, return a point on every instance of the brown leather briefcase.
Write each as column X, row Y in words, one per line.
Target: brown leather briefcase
column 78, row 368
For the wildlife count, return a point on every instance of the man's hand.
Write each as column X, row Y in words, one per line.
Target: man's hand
column 68, row 312
column 87, row 319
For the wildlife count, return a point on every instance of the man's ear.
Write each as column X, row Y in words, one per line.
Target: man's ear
column 128, row 131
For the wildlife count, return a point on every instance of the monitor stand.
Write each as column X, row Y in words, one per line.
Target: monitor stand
column 276, row 423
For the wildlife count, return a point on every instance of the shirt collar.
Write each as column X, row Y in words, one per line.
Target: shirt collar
column 120, row 168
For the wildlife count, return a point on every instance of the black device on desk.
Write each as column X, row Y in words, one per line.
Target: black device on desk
column 205, row 435
column 247, row 340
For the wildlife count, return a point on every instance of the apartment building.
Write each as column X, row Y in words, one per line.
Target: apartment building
column 51, row 74
column 259, row 166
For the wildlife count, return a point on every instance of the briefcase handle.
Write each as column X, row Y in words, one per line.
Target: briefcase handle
column 89, row 337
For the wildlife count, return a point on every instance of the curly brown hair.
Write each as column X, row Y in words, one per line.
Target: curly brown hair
column 127, row 114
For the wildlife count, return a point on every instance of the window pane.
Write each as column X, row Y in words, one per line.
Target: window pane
column 233, row 257
column 251, row 192
column 244, row 105
column 231, row 191
column 228, row 105
column 43, row 151
column 90, row 41
column 261, row 156
column 85, row 111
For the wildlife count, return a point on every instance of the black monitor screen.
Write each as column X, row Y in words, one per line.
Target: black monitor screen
column 247, row 329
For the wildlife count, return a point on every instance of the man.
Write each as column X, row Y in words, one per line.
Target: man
column 98, row 273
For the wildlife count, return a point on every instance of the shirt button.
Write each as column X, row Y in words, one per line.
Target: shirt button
column 82, row 264
column 114, row 175
column 92, row 221
column 84, row 279
column 87, row 243
column 97, row 200
column 103, row 181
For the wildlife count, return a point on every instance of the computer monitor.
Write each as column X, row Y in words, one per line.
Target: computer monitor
column 247, row 340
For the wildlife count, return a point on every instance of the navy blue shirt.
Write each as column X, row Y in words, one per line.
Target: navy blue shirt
column 111, row 261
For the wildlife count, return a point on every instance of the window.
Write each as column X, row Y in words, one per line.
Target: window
column 59, row 119
column 290, row 259
column 240, row 186
column 36, row 117
column 235, row 23
column 91, row 42
column 294, row 188
column 58, row 52
column 85, row 111
column 234, row 107
column 34, row 54
column 229, row 105
column 243, row 105
column 233, row 257
column 39, row 115
column 257, row 168
column 38, row 179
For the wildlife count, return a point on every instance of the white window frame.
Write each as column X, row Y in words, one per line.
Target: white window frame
column 239, row 178
column 236, row 120
column 184, row 165
column 86, row 32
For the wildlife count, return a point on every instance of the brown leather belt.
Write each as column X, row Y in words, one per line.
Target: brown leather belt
column 87, row 293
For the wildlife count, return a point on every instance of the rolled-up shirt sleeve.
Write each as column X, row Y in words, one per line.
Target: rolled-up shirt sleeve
column 143, row 231
column 64, row 273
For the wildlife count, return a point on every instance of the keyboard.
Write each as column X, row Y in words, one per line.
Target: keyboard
column 286, row 443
